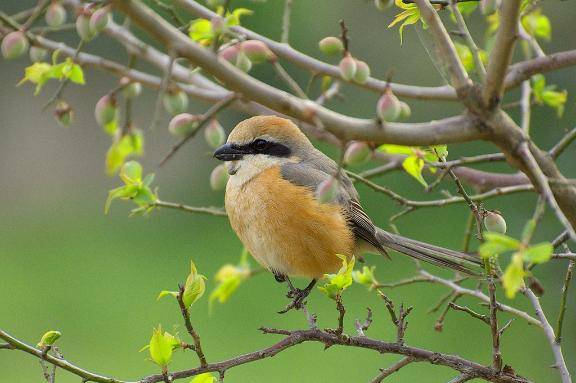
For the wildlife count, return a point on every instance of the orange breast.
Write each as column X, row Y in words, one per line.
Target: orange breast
column 285, row 228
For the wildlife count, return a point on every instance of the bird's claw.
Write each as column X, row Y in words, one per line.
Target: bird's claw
column 298, row 296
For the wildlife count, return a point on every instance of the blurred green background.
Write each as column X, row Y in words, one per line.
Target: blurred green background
column 65, row 265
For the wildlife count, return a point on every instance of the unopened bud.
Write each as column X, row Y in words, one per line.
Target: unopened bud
column 106, row 110
column 388, row 107
column 357, row 153
column 229, row 53
column 14, row 45
column 331, row 46
column 243, row 62
column 219, row 177
column 257, row 51
column 405, row 111
column 99, row 20
column 214, row 134
column 218, row 24
column 175, row 102
column 49, row 338
column 63, row 114
column 83, row 27
column 37, row 54
column 348, row 67
column 493, row 221
column 130, row 89
column 183, row 124
column 55, row 15
column 362, row 72
column 327, row 190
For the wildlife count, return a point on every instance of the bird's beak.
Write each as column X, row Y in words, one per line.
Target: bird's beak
column 229, row 152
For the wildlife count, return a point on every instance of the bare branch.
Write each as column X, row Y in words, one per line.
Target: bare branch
column 386, row 372
column 501, row 55
column 190, row 209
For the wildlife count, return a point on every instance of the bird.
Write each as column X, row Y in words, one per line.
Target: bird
column 273, row 206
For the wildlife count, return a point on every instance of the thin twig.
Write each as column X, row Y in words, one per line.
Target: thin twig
column 478, row 64
column 386, row 372
column 285, row 39
column 217, row 211
column 563, row 299
column 190, row 328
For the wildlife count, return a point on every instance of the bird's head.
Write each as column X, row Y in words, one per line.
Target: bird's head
column 260, row 142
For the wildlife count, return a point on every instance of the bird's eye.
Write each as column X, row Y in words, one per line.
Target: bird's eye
column 260, row 144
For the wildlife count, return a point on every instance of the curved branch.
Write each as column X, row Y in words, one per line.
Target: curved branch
column 455, row 129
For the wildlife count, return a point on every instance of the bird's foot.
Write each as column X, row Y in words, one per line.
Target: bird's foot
column 298, row 296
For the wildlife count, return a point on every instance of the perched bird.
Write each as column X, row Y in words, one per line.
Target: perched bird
column 273, row 207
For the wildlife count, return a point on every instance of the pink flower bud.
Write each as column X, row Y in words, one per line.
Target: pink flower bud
column 405, row 111
column 63, row 114
column 214, row 134
column 388, row 107
column 183, row 124
column 493, row 221
column 257, row 51
column 37, row 54
column 357, row 153
column 130, row 89
column 229, row 53
column 219, row 177
column 99, row 20
column 175, row 102
column 83, row 27
column 362, row 72
column 348, row 67
column 106, row 110
column 327, row 190
column 55, row 15
column 14, row 45
column 218, row 24
column 331, row 46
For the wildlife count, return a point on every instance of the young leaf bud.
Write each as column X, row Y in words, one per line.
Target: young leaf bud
column 37, row 54
column 331, row 46
column 257, row 51
column 194, row 287
column 55, row 15
column 229, row 53
column 493, row 221
column 405, row 111
column 388, row 106
column 183, row 124
column 175, row 102
column 49, row 338
column 362, row 72
column 357, row 153
column 214, row 134
column 63, row 114
column 243, row 62
column 365, row 277
column 219, row 177
column 106, row 110
column 348, row 67
column 83, row 27
column 99, row 20
column 382, row 5
column 130, row 89
column 327, row 190
column 14, row 45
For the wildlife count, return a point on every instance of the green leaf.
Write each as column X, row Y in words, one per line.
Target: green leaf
column 410, row 15
column 128, row 145
column 555, row 100
column 465, row 55
column 161, row 347
column 340, row 281
column 233, row 18
column 164, row 293
column 396, row 149
column 204, row 378
column 229, row 278
column 539, row 253
column 496, row 244
column 200, row 30
column 365, row 277
column 120, row 192
column 537, row 25
column 513, row 277
column 467, row 8
column 49, row 338
column 77, row 75
column 194, row 287
column 413, row 166
column 131, row 172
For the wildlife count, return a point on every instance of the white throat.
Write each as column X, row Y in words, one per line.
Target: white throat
column 250, row 166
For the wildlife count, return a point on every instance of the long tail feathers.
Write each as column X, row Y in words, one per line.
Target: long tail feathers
column 439, row 256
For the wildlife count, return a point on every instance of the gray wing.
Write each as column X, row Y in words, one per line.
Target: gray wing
column 311, row 175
